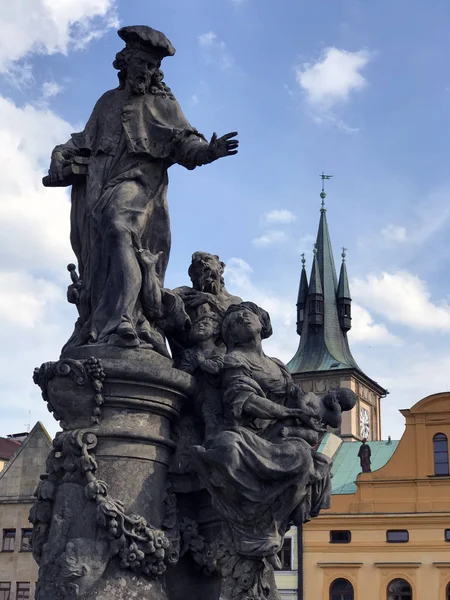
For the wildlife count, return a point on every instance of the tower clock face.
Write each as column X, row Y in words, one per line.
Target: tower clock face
column 364, row 423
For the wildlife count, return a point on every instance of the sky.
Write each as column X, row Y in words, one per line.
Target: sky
column 354, row 88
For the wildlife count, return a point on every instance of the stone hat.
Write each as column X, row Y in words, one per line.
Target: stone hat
column 146, row 39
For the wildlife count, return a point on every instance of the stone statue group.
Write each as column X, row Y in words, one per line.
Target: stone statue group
column 248, row 436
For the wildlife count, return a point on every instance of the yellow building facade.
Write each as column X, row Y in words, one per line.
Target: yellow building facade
column 386, row 535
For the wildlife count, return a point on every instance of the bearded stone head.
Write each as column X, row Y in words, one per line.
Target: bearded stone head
column 206, row 272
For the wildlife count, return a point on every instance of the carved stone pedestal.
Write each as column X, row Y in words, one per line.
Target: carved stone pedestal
column 99, row 524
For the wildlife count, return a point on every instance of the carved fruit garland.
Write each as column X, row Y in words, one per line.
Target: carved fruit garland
column 244, row 578
column 141, row 547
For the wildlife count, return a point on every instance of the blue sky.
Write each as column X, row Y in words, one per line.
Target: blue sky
column 356, row 88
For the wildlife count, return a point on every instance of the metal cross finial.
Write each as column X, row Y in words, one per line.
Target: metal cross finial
column 344, row 253
column 303, row 260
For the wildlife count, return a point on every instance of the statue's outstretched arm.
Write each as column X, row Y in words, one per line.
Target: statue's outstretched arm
column 263, row 408
column 194, row 151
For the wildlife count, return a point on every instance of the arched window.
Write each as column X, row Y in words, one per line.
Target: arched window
column 341, row 589
column 399, row 589
column 440, row 447
column 447, row 592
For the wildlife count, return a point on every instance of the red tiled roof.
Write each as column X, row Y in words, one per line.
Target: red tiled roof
column 8, row 448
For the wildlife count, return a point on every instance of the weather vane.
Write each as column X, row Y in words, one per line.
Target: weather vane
column 323, row 176
column 322, row 193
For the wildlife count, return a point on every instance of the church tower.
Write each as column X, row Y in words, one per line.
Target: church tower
column 324, row 359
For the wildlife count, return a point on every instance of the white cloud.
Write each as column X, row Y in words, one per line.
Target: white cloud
column 394, row 233
column 207, row 39
column 279, row 216
column 25, row 298
column 365, row 330
column 34, row 250
column 19, row 74
column 50, row 89
column 333, row 77
column 34, row 220
column 402, row 298
column 215, row 50
column 271, row 238
column 51, row 26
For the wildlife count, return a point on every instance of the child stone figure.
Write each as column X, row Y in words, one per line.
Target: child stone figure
column 328, row 411
column 205, row 360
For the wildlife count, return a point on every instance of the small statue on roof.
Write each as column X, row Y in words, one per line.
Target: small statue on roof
column 364, row 455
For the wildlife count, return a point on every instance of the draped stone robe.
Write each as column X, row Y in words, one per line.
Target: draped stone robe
column 121, row 206
column 259, row 481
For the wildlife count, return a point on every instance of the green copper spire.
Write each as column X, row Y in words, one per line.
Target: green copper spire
column 315, row 283
column 344, row 299
column 301, row 298
column 324, row 347
column 343, row 287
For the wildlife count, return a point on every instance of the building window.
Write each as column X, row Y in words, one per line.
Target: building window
column 23, row 591
column 447, row 535
column 285, row 555
column 397, row 536
column 399, row 589
column 340, row 536
column 447, row 592
column 5, row 590
column 440, row 446
column 341, row 589
column 9, row 539
column 25, row 544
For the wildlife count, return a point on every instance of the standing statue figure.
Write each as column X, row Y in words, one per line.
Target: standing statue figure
column 118, row 170
column 364, row 455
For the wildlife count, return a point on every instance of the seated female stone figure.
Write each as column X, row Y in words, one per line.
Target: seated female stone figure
column 260, row 468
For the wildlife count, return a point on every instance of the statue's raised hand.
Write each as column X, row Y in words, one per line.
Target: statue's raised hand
column 226, row 145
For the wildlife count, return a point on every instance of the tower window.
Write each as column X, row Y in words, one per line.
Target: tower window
column 340, row 536
column 397, row 536
column 440, row 447
column 25, row 544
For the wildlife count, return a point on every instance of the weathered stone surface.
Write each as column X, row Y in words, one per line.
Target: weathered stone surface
column 100, row 511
